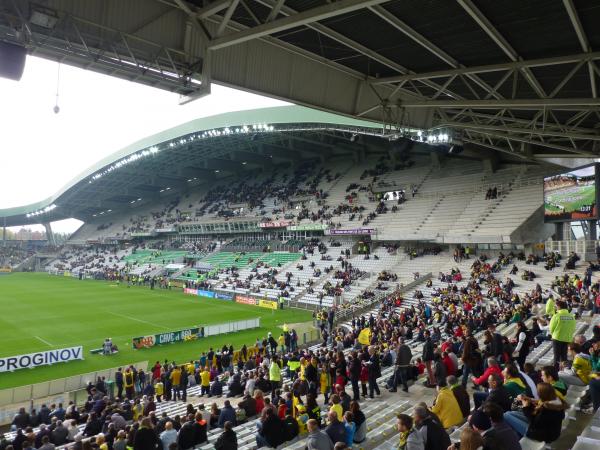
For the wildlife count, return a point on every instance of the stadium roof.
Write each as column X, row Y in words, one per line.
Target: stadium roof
column 514, row 76
column 199, row 151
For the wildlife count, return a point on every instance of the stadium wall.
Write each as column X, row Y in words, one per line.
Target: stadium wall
column 534, row 229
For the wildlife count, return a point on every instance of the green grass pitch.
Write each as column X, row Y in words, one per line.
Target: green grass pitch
column 42, row 312
column 585, row 196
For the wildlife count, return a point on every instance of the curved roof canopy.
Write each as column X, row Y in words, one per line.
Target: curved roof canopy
column 515, row 76
column 199, row 151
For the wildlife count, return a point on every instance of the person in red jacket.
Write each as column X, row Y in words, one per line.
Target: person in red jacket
column 492, row 368
column 450, row 369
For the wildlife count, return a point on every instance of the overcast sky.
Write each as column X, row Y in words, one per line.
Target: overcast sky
column 41, row 151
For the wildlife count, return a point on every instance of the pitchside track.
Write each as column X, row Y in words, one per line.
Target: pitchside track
column 41, row 312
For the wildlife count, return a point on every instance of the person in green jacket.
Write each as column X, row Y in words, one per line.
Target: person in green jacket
column 550, row 307
column 275, row 373
column 562, row 329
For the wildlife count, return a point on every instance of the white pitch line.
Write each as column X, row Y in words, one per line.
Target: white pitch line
column 137, row 320
column 44, row 341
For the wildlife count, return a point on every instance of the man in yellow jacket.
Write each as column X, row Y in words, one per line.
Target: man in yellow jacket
column 446, row 407
column 204, row 381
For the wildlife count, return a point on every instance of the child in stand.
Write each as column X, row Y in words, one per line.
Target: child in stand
column 340, row 378
column 364, row 377
column 281, row 409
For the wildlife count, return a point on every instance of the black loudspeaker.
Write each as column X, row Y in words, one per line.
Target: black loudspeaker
column 12, row 60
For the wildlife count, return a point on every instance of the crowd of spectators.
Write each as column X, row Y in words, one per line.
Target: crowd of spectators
column 13, row 255
column 509, row 400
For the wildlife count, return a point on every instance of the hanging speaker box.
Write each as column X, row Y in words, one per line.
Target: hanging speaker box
column 12, row 60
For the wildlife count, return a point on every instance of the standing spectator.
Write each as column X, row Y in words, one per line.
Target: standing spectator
column 175, row 378
column 205, row 381
column 523, row 344
column 374, row 368
column 562, row 329
column 275, row 373
column 354, row 372
column 471, row 357
column 403, row 363
column 129, row 384
column 21, row 420
column 119, row 382
column 428, row 356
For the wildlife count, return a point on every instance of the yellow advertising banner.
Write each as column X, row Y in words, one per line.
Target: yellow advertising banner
column 267, row 304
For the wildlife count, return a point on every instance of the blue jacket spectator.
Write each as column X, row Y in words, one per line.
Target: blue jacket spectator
column 227, row 414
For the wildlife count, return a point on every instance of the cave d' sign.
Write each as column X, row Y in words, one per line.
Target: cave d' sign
column 167, row 338
column 48, row 357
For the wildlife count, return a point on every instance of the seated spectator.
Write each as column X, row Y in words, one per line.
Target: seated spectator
column 410, row 437
column 446, row 406
column 168, row 436
column 335, row 430
column 291, row 426
column 469, row 439
column 513, row 383
column 550, row 376
column 317, row 439
column 360, row 434
column 497, row 393
column 235, row 386
column 540, row 420
column 249, row 405
column 594, row 386
column 271, row 431
column 433, row 434
column 216, row 388
column 504, row 433
column 461, row 395
column 227, row 439
column 493, row 367
column 579, row 372
column 145, row 436
column 227, row 414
